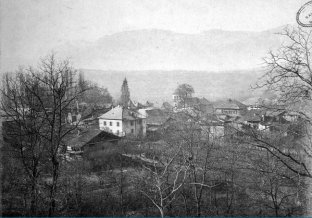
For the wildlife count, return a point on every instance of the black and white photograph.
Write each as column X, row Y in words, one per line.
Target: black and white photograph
column 156, row 108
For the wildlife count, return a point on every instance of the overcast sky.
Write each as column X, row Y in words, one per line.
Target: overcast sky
column 36, row 26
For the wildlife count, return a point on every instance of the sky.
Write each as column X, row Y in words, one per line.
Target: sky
column 35, row 27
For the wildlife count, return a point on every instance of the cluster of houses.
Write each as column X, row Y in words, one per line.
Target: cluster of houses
column 110, row 123
column 99, row 125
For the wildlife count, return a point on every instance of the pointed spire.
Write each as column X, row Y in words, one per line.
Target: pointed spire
column 125, row 94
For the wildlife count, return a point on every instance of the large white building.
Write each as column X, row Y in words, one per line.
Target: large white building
column 122, row 121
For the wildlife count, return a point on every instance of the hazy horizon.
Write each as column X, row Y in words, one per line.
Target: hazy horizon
column 31, row 29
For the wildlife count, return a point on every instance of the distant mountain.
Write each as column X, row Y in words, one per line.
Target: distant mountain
column 158, row 86
column 156, row 61
column 154, row 49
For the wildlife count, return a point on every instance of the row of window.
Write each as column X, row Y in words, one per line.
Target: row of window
column 110, row 123
column 117, row 123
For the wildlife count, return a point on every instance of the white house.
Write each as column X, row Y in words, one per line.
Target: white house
column 122, row 121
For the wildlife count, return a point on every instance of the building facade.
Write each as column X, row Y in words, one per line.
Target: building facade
column 122, row 122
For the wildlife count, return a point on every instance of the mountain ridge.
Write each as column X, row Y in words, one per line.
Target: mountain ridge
column 148, row 49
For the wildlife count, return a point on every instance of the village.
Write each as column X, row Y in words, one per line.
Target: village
column 109, row 146
column 129, row 119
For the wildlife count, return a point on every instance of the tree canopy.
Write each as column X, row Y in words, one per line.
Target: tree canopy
column 184, row 90
column 96, row 95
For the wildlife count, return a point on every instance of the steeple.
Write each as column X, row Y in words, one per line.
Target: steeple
column 125, row 94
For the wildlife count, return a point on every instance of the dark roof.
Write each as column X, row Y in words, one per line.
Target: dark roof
column 87, row 136
column 94, row 112
column 121, row 113
column 195, row 101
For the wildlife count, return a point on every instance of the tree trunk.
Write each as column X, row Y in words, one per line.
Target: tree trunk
column 198, row 209
column 53, row 187
column 33, row 202
column 34, row 192
column 161, row 210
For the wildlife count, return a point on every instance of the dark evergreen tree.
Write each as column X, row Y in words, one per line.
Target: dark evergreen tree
column 125, row 94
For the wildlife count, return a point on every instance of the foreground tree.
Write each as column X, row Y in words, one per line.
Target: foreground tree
column 163, row 180
column 36, row 101
column 289, row 74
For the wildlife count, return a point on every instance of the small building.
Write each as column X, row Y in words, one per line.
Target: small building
column 230, row 107
column 88, row 139
column 123, row 121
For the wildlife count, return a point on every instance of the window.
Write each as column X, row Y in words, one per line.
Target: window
column 117, row 123
column 110, row 123
column 131, row 123
column 132, row 130
column 104, row 123
column 117, row 132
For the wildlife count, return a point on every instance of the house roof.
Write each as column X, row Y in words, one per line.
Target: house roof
column 195, row 101
column 87, row 136
column 131, row 114
column 274, row 113
column 230, row 104
column 120, row 113
column 93, row 112
column 113, row 114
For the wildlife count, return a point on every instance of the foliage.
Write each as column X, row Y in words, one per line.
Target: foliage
column 95, row 95
column 184, row 90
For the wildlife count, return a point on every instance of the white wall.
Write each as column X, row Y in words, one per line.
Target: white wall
column 113, row 128
column 124, row 127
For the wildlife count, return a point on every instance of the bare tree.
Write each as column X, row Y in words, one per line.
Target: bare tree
column 162, row 180
column 275, row 187
column 193, row 132
column 36, row 102
column 289, row 75
column 289, row 68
